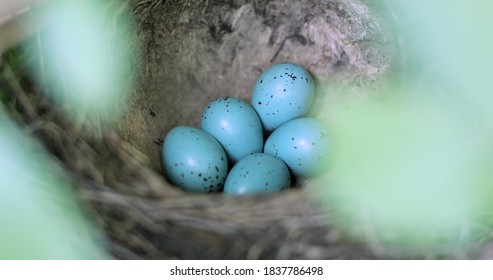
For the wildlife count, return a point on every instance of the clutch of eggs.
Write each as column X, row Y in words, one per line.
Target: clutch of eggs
column 228, row 151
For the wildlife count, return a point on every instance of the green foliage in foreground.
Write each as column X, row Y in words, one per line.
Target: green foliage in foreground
column 411, row 167
column 39, row 215
column 82, row 59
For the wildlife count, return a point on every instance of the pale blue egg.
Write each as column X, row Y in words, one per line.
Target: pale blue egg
column 256, row 174
column 283, row 92
column 303, row 144
column 235, row 124
column 194, row 160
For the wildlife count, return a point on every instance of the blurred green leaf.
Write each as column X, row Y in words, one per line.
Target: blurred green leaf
column 86, row 53
column 412, row 166
column 412, row 169
column 39, row 215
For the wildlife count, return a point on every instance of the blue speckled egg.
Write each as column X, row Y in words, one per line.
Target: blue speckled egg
column 303, row 144
column 283, row 92
column 257, row 173
column 235, row 124
column 194, row 160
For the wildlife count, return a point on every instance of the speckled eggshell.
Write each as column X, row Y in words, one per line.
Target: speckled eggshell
column 194, row 160
column 235, row 124
column 283, row 92
column 303, row 144
column 257, row 174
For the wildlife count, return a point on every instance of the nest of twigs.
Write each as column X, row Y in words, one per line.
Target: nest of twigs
column 193, row 52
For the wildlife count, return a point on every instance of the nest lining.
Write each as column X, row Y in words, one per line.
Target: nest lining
column 196, row 51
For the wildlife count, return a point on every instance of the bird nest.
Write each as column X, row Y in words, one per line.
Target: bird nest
column 193, row 52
